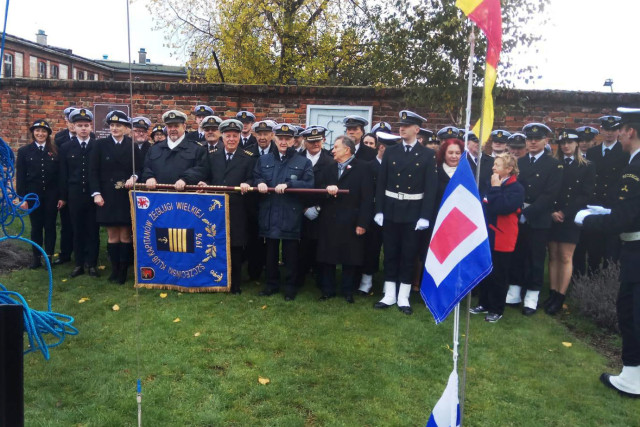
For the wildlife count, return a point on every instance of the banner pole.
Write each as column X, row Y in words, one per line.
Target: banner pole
column 472, row 42
column 456, row 334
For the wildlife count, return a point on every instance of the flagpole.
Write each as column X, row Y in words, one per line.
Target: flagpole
column 456, row 334
column 472, row 43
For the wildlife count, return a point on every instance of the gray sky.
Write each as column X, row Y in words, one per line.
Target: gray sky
column 585, row 39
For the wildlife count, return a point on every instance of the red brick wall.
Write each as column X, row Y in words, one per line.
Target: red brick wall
column 23, row 100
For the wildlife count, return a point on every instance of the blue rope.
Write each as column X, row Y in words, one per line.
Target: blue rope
column 36, row 323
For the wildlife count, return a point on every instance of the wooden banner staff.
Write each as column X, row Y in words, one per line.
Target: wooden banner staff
column 227, row 189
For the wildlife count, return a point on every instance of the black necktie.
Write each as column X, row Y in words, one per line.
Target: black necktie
column 41, row 148
column 407, row 148
column 532, row 159
column 229, row 156
column 282, row 158
column 83, row 144
column 606, row 151
column 567, row 161
column 244, row 142
column 261, row 152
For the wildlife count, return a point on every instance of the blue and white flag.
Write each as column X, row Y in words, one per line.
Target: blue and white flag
column 459, row 255
column 448, row 405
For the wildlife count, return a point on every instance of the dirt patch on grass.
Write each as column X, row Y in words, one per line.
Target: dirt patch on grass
column 13, row 256
column 604, row 341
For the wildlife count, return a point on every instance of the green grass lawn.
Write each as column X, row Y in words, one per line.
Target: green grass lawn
column 328, row 363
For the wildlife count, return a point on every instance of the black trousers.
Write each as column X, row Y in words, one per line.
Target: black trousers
column 86, row 231
column 307, row 261
column 628, row 306
column 289, row 257
column 400, row 242
column 256, row 255
column 328, row 278
column 580, row 256
column 42, row 219
column 601, row 248
column 493, row 289
column 237, row 253
column 373, row 246
column 530, row 255
column 66, row 234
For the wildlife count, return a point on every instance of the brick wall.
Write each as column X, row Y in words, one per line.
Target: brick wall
column 22, row 101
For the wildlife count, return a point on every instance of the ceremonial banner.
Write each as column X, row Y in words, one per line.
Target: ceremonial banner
column 181, row 241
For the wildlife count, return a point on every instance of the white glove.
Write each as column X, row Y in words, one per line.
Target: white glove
column 580, row 216
column 422, row 224
column 379, row 218
column 598, row 210
column 311, row 213
column 522, row 219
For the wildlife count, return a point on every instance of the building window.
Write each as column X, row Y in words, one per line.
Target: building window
column 8, row 65
column 91, row 76
column 42, row 70
column 54, row 72
column 80, row 75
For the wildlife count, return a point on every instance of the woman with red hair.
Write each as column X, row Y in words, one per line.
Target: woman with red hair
column 447, row 158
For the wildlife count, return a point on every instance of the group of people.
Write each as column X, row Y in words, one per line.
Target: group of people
column 531, row 194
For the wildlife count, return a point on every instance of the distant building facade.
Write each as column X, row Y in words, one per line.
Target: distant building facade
column 37, row 60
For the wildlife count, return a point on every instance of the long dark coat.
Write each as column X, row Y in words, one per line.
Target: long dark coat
column 541, row 182
column 109, row 164
column 338, row 242
column 323, row 167
column 608, row 172
column 214, row 170
column 167, row 165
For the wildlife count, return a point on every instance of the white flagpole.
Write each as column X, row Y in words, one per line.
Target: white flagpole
column 456, row 332
column 472, row 43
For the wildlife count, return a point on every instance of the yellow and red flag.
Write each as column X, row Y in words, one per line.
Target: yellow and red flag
column 487, row 15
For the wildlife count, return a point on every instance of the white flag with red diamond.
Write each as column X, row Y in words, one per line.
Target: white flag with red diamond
column 459, row 255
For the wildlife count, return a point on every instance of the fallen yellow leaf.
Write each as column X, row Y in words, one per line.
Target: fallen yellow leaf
column 101, row 267
column 264, row 307
column 264, row 381
column 115, row 307
column 82, row 300
column 176, row 320
column 197, row 334
column 163, row 295
column 566, row 344
column 565, row 306
column 64, row 280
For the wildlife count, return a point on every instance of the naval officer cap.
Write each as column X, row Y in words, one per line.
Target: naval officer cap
column 568, row 135
column 448, row 132
column 158, row 128
column 246, row 116
column 388, row 139
column 382, row 126
column 500, row 136
column 426, row 134
column 314, row 133
column 285, row 129
column 141, row 123
column 536, row 130
column 203, row 110
column 433, row 139
column 629, row 115
column 299, row 130
column 264, row 126
column 610, row 122
column 354, row 121
column 211, row 122
column 117, row 116
column 231, row 125
column 81, row 115
column 410, row 118
column 41, row 124
column 587, row 133
column 471, row 137
column 517, row 140
column 174, row 116
column 68, row 111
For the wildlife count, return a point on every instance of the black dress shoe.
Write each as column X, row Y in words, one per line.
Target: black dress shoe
column 77, row 272
column 380, row 304
column 349, row 299
column 605, row 379
column 406, row 310
column 236, row 291
column 267, row 292
column 60, row 261
column 36, row 263
column 325, row 297
column 93, row 272
column 362, row 293
column 528, row 311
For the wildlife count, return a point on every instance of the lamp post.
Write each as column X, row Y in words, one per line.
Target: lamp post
column 609, row 82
